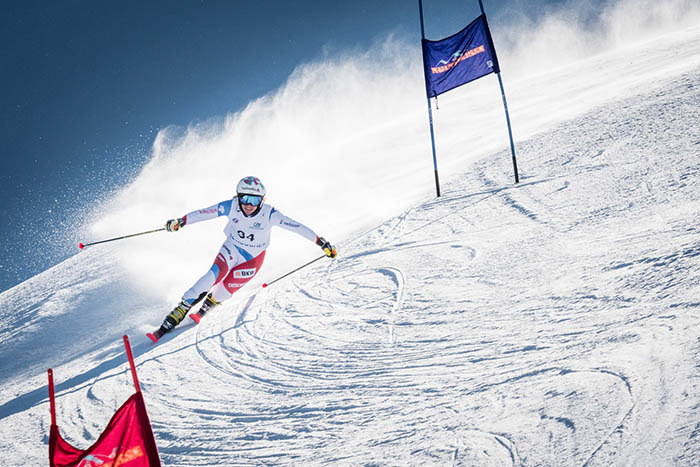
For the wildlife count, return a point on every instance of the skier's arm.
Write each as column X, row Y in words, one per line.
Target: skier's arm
column 216, row 210
column 279, row 219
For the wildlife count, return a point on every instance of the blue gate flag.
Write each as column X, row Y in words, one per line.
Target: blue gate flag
column 460, row 58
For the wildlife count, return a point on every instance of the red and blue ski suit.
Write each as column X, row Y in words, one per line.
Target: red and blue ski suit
column 243, row 251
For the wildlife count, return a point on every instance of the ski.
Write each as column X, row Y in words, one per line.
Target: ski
column 155, row 335
column 173, row 320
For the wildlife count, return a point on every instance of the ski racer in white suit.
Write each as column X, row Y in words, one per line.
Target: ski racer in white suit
column 247, row 231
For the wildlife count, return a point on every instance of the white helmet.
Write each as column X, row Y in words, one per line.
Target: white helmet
column 250, row 186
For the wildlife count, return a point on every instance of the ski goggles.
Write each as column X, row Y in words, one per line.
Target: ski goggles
column 251, row 200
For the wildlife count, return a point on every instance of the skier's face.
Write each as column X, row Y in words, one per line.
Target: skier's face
column 250, row 203
column 248, row 209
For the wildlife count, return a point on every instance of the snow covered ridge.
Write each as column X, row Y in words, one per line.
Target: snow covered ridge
column 550, row 323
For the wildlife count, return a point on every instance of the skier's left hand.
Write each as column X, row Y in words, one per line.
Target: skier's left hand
column 326, row 247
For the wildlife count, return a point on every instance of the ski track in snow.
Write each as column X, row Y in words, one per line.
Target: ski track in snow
column 550, row 323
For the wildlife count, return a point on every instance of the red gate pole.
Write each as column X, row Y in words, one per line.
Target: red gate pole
column 52, row 397
column 130, row 356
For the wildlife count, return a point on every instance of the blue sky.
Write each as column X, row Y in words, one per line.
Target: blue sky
column 87, row 85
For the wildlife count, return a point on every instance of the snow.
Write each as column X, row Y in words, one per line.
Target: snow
column 553, row 322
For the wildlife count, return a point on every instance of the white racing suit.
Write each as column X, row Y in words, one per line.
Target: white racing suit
column 243, row 251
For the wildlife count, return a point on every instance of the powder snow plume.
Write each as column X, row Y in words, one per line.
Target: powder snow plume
column 345, row 141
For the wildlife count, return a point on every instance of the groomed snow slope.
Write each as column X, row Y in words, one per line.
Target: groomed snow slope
column 550, row 323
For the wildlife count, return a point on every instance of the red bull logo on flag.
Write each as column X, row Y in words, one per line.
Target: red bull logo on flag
column 114, row 459
column 457, row 57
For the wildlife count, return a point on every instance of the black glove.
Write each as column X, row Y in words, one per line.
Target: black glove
column 326, row 247
column 173, row 225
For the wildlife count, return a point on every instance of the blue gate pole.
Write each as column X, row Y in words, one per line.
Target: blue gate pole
column 510, row 133
column 430, row 110
column 505, row 106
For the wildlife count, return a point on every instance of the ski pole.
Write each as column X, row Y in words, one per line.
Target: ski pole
column 83, row 245
column 292, row 272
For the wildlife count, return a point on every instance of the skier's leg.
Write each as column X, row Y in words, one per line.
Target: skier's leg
column 214, row 299
column 220, row 293
column 234, row 280
column 224, row 261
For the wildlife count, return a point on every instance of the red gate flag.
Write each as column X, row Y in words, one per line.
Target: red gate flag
column 127, row 441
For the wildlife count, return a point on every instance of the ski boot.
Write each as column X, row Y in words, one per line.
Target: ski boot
column 208, row 304
column 172, row 320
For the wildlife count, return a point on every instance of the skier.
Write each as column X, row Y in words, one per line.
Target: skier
column 241, row 256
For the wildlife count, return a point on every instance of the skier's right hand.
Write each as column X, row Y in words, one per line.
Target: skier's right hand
column 173, row 225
